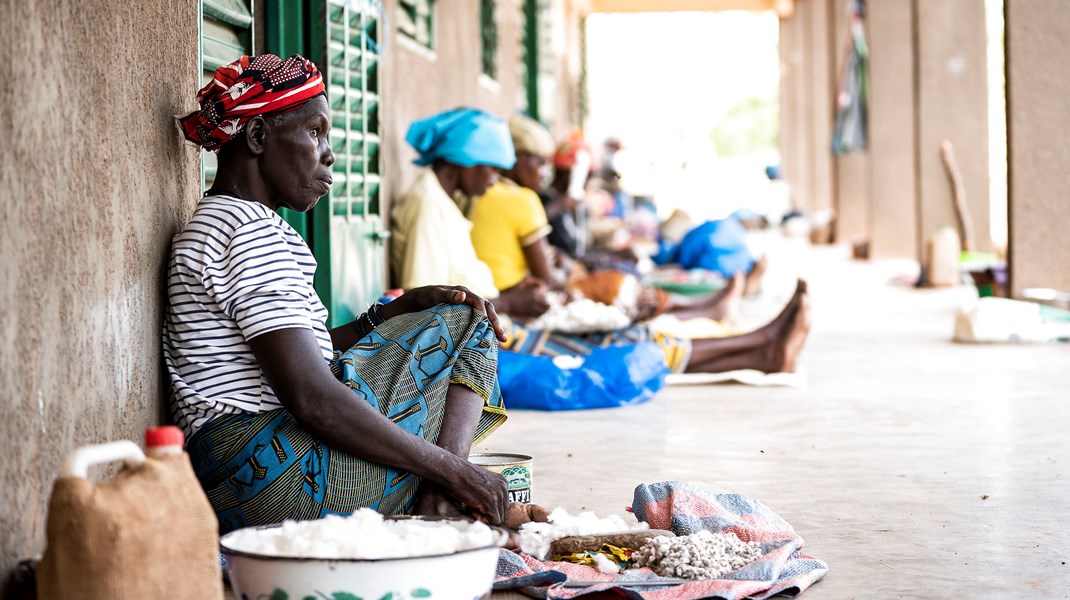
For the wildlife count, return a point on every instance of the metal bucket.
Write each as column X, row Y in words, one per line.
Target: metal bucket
column 515, row 468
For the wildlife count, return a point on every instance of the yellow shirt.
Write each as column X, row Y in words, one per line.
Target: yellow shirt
column 505, row 220
column 430, row 243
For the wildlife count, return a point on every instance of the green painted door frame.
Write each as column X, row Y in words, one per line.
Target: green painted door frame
column 344, row 229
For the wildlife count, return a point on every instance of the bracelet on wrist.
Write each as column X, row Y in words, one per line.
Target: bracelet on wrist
column 373, row 314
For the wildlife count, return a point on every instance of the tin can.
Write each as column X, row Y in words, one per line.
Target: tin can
column 515, row 468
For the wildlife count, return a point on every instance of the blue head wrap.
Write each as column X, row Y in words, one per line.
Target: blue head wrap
column 463, row 136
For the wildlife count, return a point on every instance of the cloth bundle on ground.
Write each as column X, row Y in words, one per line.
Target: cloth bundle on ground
column 684, row 509
column 605, row 378
column 719, row 246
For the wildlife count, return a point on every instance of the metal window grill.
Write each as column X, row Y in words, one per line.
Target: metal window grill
column 489, row 32
column 226, row 34
column 416, row 20
column 346, row 225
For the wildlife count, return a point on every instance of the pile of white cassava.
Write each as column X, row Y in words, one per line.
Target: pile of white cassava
column 580, row 315
column 702, row 555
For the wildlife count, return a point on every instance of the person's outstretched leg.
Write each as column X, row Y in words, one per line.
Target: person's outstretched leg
column 718, row 306
column 771, row 349
column 754, row 277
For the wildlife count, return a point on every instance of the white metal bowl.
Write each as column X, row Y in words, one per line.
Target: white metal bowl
column 463, row 575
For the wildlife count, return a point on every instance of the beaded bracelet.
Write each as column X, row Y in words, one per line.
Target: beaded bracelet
column 373, row 314
column 364, row 325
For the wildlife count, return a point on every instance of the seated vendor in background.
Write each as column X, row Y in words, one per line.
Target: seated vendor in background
column 285, row 418
column 463, row 150
column 451, row 140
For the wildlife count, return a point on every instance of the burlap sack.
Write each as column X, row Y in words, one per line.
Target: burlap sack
column 149, row 532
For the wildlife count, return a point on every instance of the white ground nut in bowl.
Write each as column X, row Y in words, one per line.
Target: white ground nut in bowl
column 702, row 555
column 364, row 555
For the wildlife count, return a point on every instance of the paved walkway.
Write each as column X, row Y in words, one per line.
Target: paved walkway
column 914, row 466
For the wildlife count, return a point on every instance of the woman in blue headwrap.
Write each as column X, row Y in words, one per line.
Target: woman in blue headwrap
column 463, row 149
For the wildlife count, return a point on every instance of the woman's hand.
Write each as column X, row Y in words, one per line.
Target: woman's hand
column 485, row 494
column 525, row 299
column 422, row 298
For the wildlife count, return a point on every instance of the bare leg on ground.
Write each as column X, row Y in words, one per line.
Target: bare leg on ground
column 774, row 348
column 722, row 304
column 754, row 278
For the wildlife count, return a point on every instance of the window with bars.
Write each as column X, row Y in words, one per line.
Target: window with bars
column 416, row 20
column 345, row 229
column 226, row 35
column 489, row 32
column 538, row 81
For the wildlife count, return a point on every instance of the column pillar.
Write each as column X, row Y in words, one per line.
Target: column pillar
column 1038, row 142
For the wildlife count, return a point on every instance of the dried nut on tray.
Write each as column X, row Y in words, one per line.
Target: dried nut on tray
column 591, row 543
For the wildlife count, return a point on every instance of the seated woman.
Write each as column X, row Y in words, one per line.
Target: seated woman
column 773, row 348
column 511, row 234
column 463, row 149
column 494, row 234
column 286, row 419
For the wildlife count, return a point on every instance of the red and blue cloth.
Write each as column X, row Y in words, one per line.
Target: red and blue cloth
column 683, row 509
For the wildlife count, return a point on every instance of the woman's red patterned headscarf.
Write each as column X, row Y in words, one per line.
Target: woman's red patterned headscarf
column 250, row 86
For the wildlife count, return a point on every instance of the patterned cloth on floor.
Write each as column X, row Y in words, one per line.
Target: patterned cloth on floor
column 536, row 342
column 684, row 509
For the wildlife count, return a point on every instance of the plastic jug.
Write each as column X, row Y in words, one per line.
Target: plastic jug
column 148, row 532
column 944, row 249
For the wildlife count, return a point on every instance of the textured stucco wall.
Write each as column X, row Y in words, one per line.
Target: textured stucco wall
column 820, row 88
column 795, row 126
column 952, row 105
column 1038, row 46
column 94, row 181
column 852, row 179
column 417, row 82
column 891, row 120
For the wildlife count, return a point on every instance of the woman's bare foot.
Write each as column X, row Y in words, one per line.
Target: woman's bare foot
column 720, row 305
column 754, row 277
column 727, row 306
column 519, row 514
column 774, row 348
column 433, row 502
column 787, row 333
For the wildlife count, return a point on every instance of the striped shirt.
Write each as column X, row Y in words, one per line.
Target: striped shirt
column 237, row 270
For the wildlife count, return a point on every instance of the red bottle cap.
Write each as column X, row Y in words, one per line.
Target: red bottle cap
column 168, row 435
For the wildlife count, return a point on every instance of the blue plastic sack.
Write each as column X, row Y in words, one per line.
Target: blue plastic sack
column 719, row 246
column 608, row 377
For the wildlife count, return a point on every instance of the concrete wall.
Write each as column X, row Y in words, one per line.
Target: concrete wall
column 94, row 181
column 806, row 97
column 793, row 119
column 852, row 182
column 952, row 104
column 568, row 42
column 417, row 82
column 1038, row 128
column 891, row 118
column 821, row 83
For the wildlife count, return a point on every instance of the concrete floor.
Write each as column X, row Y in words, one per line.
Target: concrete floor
column 914, row 466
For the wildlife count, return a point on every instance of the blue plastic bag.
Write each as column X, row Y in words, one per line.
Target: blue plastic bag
column 608, row 377
column 719, row 246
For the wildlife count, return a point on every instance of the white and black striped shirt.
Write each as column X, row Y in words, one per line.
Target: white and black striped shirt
column 237, row 270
